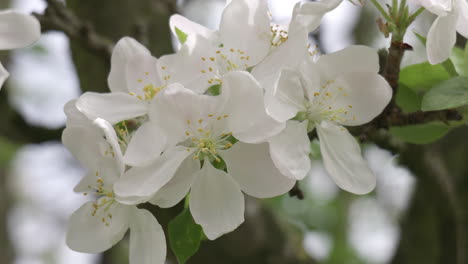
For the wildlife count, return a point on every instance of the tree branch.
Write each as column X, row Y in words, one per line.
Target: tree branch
column 57, row 17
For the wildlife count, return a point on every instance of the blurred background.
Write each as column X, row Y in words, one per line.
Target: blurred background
column 416, row 214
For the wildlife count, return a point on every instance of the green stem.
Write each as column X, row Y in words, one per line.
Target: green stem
column 394, row 8
column 415, row 15
column 381, row 10
column 402, row 8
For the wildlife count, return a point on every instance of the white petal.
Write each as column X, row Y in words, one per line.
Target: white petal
column 111, row 139
column 146, row 144
column 216, row 202
column 188, row 27
column 3, row 75
column 141, row 72
column 245, row 25
column 343, row 160
column 288, row 55
column 186, row 66
column 18, row 30
column 441, row 38
column 287, row 99
column 81, row 142
column 310, row 14
column 139, row 184
column 351, row 59
column 310, row 74
column 147, row 240
column 74, row 116
column 124, row 50
column 178, row 187
column 367, row 94
column 462, row 24
column 89, row 234
column 249, row 123
column 175, row 105
column 106, row 170
column 252, row 167
column 290, row 150
column 113, row 107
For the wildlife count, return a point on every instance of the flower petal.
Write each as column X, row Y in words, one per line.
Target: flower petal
column 462, row 24
column 139, row 184
column 175, row 105
column 146, row 145
column 288, row 55
column 3, row 75
column 89, row 234
column 245, row 25
column 88, row 154
column 253, row 169
column 352, row 59
column 18, row 30
column 142, row 72
column 310, row 14
column 441, row 38
column 113, row 107
column 74, row 116
column 290, row 150
column 188, row 27
column 147, row 240
column 287, row 99
column 178, row 187
column 367, row 95
column 124, row 50
column 249, row 123
column 343, row 160
column 216, row 202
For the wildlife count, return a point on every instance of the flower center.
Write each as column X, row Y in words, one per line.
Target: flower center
column 207, row 137
column 105, row 200
column 326, row 104
column 278, row 35
column 148, row 87
column 224, row 60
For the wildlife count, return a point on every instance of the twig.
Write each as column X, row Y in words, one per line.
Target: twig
column 296, row 192
column 57, row 17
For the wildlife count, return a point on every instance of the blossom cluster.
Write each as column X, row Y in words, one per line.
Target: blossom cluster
column 228, row 114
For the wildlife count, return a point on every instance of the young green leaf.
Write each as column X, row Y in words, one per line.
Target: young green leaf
column 407, row 99
column 420, row 134
column 421, row 77
column 182, row 36
column 185, row 236
column 460, row 61
column 445, row 95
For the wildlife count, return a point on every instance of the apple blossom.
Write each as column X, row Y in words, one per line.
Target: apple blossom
column 452, row 17
column 246, row 39
column 16, row 31
column 98, row 225
column 342, row 88
column 198, row 130
column 135, row 79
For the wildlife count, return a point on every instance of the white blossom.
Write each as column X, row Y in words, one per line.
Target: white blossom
column 452, row 17
column 342, row 88
column 16, row 31
column 196, row 130
column 99, row 224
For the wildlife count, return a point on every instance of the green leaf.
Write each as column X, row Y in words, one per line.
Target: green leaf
column 408, row 100
column 182, row 36
column 459, row 58
column 214, row 90
column 185, row 236
column 420, row 134
column 421, row 77
column 445, row 95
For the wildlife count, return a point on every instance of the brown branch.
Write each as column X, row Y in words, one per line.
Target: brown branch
column 57, row 17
